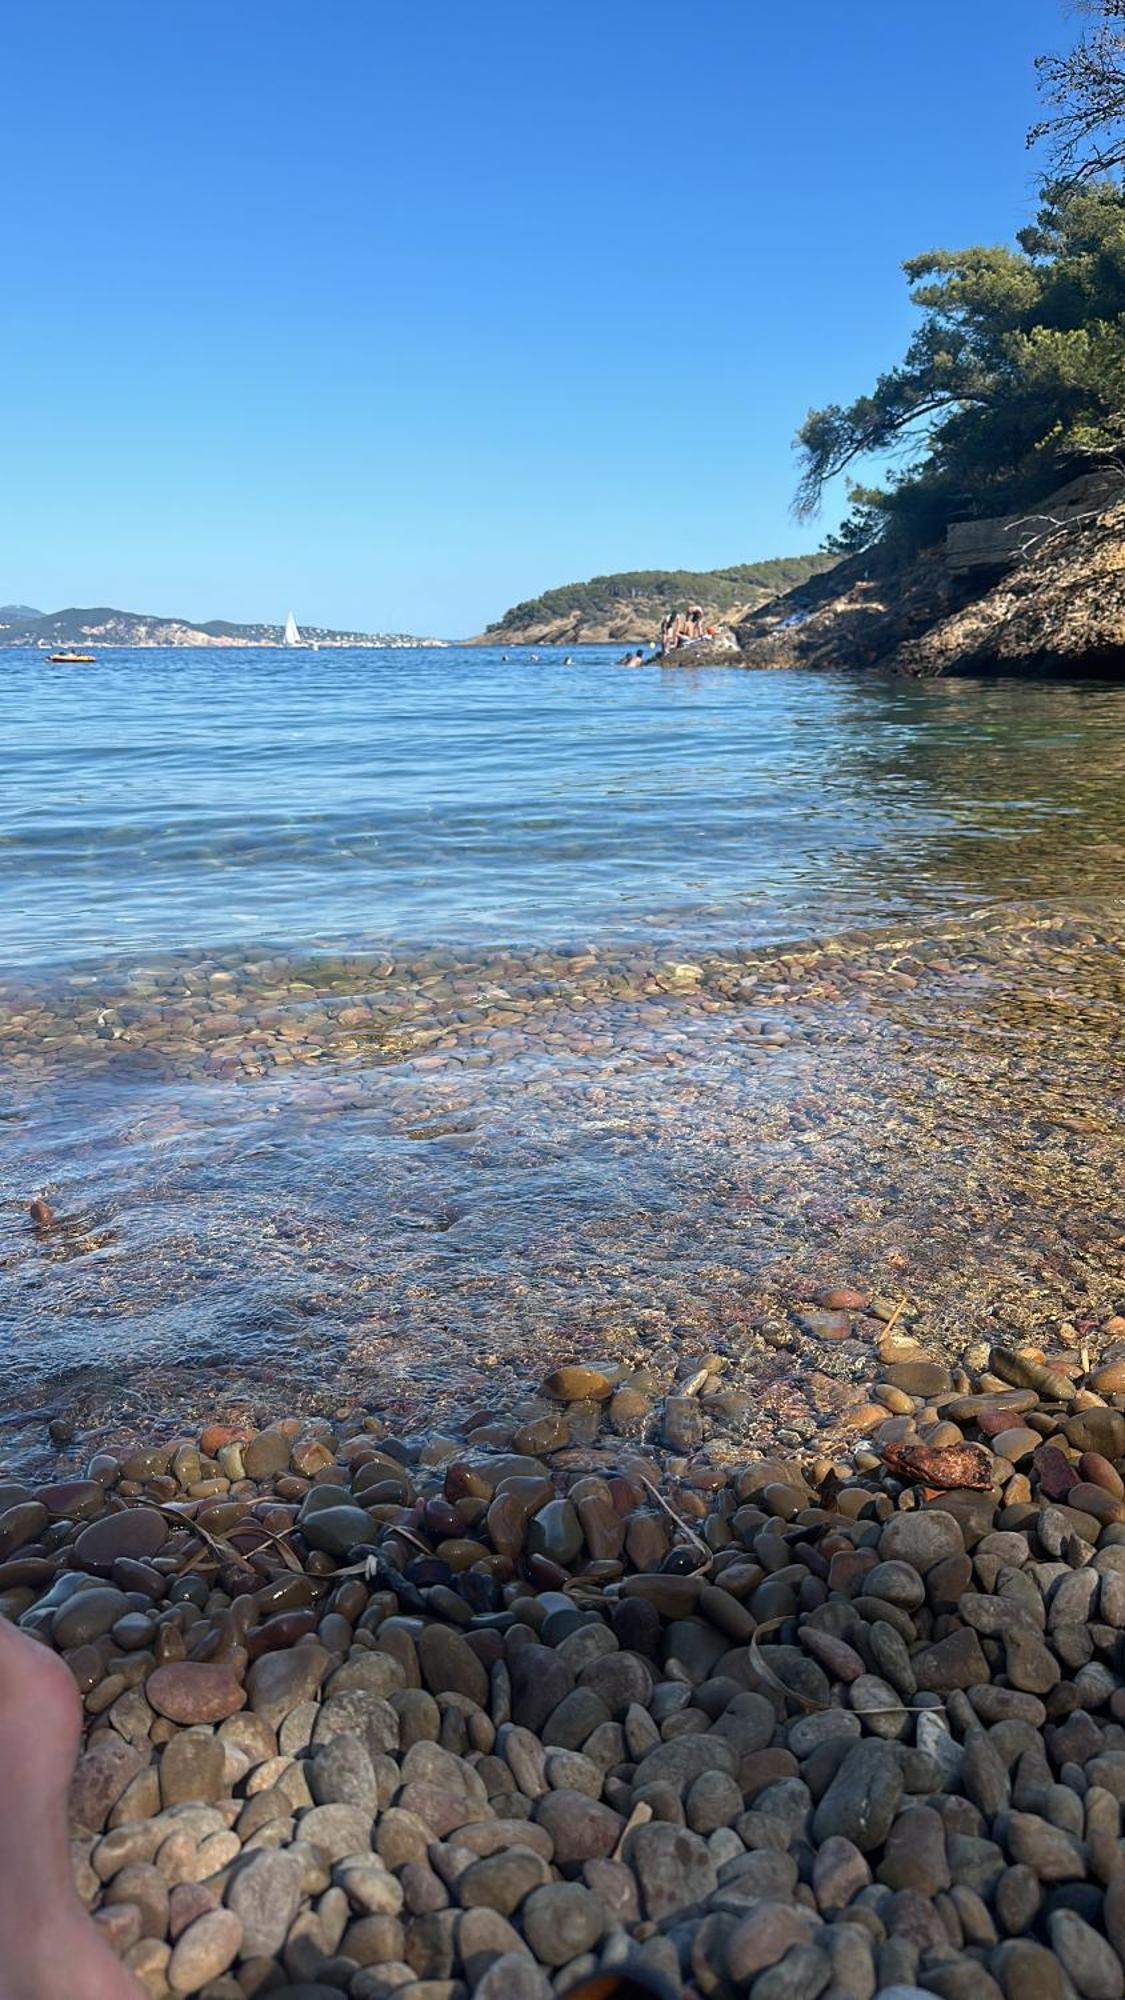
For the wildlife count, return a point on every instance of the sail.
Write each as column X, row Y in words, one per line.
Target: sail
column 292, row 633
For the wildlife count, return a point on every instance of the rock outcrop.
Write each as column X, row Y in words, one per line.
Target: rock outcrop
column 1059, row 610
column 627, row 608
column 1063, row 610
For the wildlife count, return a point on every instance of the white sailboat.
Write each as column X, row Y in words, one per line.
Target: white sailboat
column 292, row 632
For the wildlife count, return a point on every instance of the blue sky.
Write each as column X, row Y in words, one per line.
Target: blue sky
column 401, row 313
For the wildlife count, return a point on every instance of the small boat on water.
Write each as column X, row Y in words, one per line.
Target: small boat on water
column 293, row 636
column 73, row 659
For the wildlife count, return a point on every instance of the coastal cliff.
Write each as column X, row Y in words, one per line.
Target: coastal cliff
column 1059, row 609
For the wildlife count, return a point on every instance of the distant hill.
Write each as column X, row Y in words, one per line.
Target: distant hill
column 630, row 605
column 101, row 625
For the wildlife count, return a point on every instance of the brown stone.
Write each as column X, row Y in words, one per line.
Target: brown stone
column 104, row 1773
column 444, row 1812
column 1055, row 1473
column 602, row 1525
column 1100, row 1429
column 760, row 1768
column 1093, row 1499
column 1016, row 1443
column 204, row 1951
column 72, row 1499
column 191, row 1768
column 574, row 1384
column 764, row 1938
column 942, row 1466
column 646, row 1540
column 953, row 1662
column 1109, row 1379
column 191, row 1691
column 507, row 1524
column 145, row 1887
column 496, row 1836
column 501, row 1881
column 629, row 1409
column 265, row 1454
column 542, row 1435
column 671, row 1596
column 120, row 1925
column 580, row 1828
column 310, row 1456
column 216, row 1436
column 136, row 1532
column 21, row 1524
column 1098, row 1471
column 450, row 1666
column 187, row 1901
column 947, row 1582
column 278, row 1682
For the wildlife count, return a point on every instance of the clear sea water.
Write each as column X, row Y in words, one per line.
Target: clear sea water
column 180, row 799
column 207, row 857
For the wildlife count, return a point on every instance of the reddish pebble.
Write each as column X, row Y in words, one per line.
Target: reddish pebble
column 1056, row 1475
column 282, row 1630
column 72, row 1498
column 216, row 1436
column 848, row 1568
column 188, row 1901
column 190, row 1691
column 843, row 1298
column 41, row 1213
column 545, row 1574
column 1099, row 1472
column 994, row 1422
column 465, row 1482
column 941, row 1467
column 136, row 1532
column 625, row 1496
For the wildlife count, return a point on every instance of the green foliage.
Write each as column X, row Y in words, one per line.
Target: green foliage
column 862, row 527
column 654, row 591
column 1014, row 380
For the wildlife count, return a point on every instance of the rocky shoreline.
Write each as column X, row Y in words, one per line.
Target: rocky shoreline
column 493, row 1712
column 621, row 1153
column 1059, row 611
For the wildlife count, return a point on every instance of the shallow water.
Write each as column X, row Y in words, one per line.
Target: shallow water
column 383, row 1024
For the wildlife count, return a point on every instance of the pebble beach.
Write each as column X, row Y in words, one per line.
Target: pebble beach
column 565, row 1328
column 570, row 1696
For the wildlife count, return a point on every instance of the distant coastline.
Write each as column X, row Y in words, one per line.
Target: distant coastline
column 22, row 626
